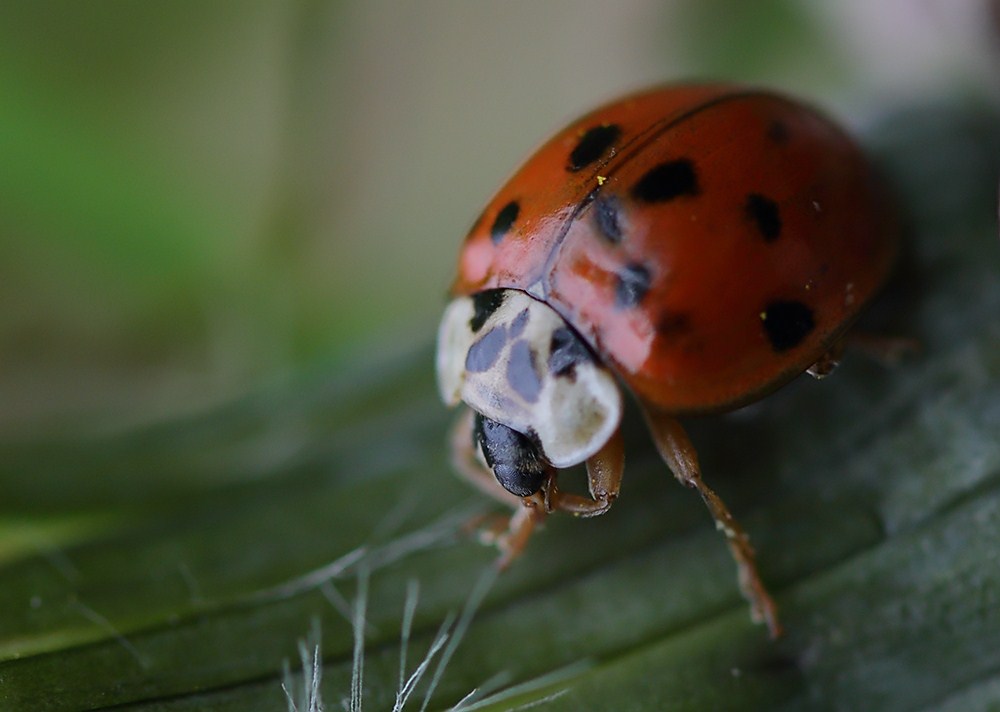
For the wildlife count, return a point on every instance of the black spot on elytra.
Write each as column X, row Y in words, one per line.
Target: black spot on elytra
column 592, row 146
column 483, row 354
column 515, row 460
column 483, row 305
column 632, row 284
column 667, row 181
column 764, row 214
column 787, row 323
column 504, row 221
column 673, row 324
column 778, row 131
column 566, row 350
column 607, row 216
column 520, row 321
column 521, row 373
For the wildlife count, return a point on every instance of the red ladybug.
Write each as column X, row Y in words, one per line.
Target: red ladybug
column 702, row 243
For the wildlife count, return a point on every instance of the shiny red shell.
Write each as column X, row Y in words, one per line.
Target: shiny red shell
column 709, row 241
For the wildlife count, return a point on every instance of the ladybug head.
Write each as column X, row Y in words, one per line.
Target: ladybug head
column 518, row 364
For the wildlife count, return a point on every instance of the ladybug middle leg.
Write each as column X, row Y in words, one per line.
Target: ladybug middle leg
column 678, row 452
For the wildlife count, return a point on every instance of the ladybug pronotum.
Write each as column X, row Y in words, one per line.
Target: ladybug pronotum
column 700, row 244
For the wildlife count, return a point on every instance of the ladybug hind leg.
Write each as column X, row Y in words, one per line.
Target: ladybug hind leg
column 678, row 452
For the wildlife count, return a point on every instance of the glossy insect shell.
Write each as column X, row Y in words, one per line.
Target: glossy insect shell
column 709, row 241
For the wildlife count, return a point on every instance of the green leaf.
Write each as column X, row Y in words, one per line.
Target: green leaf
column 177, row 567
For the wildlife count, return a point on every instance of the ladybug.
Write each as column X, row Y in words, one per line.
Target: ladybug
column 701, row 244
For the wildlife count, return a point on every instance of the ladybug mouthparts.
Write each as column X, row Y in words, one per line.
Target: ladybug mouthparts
column 516, row 362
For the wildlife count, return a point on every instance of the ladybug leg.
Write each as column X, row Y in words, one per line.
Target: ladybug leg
column 509, row 534
column 604, row 476
column 827, row 362
column 522, row 523
column 679, row 453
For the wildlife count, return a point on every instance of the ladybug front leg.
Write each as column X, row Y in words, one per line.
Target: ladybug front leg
column 509, row 534
column 678, row 452
column 604, row 477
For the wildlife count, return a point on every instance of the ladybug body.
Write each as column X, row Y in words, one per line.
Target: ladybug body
column 710, row 243
column 706, row 243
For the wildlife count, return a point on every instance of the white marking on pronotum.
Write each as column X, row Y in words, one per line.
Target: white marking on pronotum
column 571, row 416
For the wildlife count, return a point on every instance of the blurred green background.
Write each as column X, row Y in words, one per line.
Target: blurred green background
column 199, row 198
